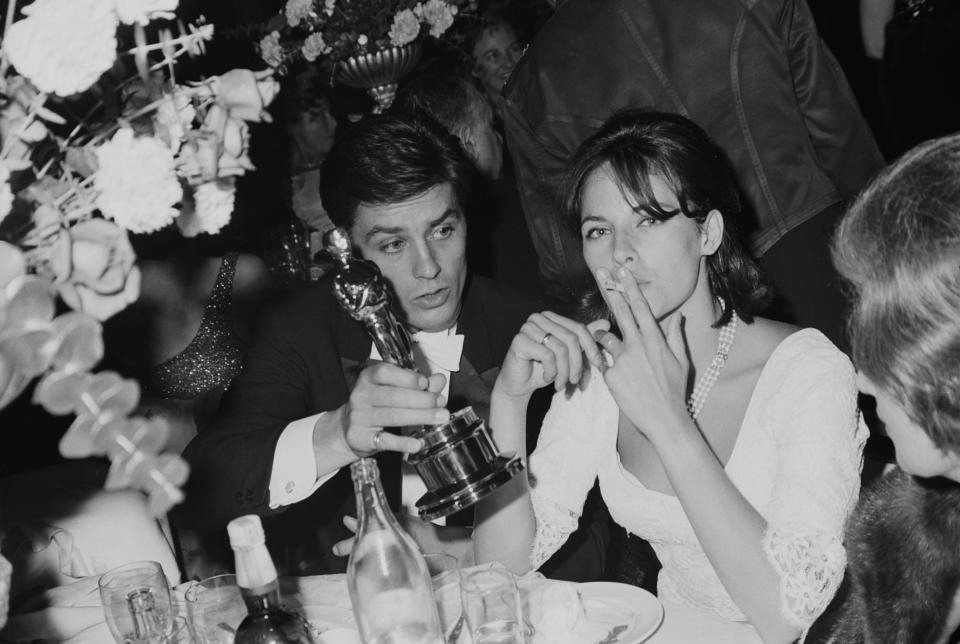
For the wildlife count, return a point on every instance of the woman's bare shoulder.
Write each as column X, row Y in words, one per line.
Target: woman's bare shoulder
column 251, row 274
column 761, row 338
column 252, row 285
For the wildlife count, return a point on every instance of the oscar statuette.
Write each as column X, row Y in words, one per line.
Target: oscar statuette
column 459, row 462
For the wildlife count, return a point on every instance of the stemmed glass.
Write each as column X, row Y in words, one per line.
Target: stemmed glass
column 136, row 603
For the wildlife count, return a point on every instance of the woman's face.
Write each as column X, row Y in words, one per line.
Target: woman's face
column 494, row 56
column 668, row 258
column 315, row 129
column 916, row 453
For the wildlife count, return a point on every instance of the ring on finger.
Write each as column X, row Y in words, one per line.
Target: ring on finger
column 377, row 440
column 543, row 341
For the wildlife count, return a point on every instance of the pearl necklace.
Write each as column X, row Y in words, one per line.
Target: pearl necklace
column 709, row 378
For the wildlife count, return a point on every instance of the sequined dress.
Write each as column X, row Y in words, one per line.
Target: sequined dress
column 213, row 357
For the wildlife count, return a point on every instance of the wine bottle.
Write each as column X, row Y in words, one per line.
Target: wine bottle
column 390, row 587
column 267, row 620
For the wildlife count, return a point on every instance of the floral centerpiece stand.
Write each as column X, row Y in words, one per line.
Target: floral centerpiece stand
column 370, row 44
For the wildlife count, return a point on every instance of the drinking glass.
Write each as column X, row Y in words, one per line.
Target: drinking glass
column 491, row 604
column 445, row 575
column 215, row 609
column 136, row 603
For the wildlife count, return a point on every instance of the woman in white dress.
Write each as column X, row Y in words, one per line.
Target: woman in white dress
column 730, row 442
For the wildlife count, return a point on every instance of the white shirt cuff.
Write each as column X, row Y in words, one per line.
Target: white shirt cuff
column 294, row 474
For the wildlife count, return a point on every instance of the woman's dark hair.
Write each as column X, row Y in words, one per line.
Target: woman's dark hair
column 388, row 158
column 636, row 144
column 500, row 14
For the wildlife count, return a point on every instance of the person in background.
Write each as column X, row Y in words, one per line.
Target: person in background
column 756, row 77
column 729, row 441
column 898, row 247
column 499, row 244
column 496, row 46
column 184, row 337
column 311, row 129
column 914, row 48
column 314, row 397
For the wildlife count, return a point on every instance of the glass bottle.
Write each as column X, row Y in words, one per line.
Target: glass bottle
column 389, row 584
column 267, row 620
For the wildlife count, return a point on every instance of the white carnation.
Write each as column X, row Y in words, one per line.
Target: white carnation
column 270, row 49
column 405, row 28
column 63, row 46
column 313, row 47
column 6, row 195
column 136, row 182
column 214, row 205
column 297, row 10
column 436, row 13
column 143, row 11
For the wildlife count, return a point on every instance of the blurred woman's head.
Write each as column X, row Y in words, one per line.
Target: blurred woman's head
column 624, row 190
column 496, row 46
column 899, row 248
column 454, row 101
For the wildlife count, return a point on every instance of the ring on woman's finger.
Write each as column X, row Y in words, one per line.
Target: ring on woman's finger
column 543, row 340
column 377, row 440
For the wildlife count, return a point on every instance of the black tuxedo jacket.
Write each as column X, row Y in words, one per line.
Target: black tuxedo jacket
column 305, row 360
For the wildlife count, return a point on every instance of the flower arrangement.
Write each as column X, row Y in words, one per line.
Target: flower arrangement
column 149, row 152
column 328, row 31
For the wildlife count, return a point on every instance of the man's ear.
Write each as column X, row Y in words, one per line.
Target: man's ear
column 711, row 232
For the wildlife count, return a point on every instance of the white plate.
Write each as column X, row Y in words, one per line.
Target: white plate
column 610, row 602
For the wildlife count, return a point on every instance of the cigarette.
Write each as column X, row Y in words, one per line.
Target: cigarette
column 612, row 285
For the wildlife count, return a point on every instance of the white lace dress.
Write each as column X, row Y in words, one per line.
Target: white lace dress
column 796, row 460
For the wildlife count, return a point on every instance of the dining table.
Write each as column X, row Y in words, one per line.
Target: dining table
column 73, row 614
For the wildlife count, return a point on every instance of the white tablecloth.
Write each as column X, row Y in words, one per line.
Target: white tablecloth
column 73, row 614
column 325, row 602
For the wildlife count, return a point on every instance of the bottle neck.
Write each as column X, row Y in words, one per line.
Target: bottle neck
column 373, row 510
column 262, row 599
column 257, row 578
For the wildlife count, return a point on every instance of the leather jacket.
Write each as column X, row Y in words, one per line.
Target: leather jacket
column 753, row 73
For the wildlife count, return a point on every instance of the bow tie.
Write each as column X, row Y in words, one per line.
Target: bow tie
column 441, row 349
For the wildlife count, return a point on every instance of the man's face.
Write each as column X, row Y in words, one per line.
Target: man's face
column 420, row 246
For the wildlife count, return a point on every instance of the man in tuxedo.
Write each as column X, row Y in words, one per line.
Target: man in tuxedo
column 313, row 396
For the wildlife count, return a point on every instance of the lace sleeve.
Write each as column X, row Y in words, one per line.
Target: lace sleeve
column 819, row 438
column 563, row 467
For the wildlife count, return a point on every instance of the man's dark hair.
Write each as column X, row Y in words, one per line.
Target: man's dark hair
column 637, row 144
column 451, row 99
column 386, row 159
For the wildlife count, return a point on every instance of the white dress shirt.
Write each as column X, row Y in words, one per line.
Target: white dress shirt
column 294, row 474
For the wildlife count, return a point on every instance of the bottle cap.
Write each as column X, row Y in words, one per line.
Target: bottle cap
column 246, row 532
